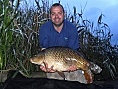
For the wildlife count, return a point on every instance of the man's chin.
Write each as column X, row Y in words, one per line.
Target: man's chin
column 58, row 24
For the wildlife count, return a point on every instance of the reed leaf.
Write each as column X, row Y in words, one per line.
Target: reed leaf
column 19, row 37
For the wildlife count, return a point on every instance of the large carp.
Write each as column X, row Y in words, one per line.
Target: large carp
column 61, row 58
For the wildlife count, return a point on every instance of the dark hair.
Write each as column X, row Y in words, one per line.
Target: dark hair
column 56, row 4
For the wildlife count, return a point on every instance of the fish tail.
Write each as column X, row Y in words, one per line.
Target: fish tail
column 88, row 76
column 95, row 68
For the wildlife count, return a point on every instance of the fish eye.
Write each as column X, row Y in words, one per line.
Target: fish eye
column 34, row 55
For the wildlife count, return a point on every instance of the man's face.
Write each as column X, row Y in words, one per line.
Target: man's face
column 57, row 15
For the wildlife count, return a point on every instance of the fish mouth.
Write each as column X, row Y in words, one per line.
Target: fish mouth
column 35, row 62
column 32, row 61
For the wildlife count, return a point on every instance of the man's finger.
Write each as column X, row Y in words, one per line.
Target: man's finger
column 46, row 67
column 72, row 68
column 51, row 69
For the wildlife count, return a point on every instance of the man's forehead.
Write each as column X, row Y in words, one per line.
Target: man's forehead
column 56, row 8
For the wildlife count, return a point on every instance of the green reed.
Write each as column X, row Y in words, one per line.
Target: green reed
column 19, row 37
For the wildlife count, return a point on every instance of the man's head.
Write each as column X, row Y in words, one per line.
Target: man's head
column 57, row 14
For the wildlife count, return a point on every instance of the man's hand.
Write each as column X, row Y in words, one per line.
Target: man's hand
column 72, row 68
column 46, row 69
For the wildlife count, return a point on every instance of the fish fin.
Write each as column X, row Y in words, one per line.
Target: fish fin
column 95, row 68
column 88, row 76
column 61, row 74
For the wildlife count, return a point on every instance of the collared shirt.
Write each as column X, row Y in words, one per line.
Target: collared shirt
column 68, row 37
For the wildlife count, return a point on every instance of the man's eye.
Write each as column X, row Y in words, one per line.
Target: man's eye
column 60, row 13
column 52, row 14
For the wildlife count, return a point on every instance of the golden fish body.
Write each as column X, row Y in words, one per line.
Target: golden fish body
column 61, row 58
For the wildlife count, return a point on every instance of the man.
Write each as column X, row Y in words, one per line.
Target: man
column 60, row 32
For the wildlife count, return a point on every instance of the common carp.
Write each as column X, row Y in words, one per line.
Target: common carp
column 61, row 58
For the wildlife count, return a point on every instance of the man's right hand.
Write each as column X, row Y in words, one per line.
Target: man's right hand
column 46, row 69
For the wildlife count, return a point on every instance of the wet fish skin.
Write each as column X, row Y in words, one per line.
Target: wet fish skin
column 61, row 58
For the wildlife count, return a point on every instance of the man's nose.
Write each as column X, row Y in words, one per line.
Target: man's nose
column 56, row 15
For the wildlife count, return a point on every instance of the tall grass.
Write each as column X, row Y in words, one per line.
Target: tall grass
column 7, row 14
column 95, row 44
column 19, row 38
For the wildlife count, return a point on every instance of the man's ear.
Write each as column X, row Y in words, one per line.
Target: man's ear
column 65, row 14
column 49, row 15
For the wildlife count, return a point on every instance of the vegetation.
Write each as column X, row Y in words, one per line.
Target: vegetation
column 7, row 15
column 19, row 38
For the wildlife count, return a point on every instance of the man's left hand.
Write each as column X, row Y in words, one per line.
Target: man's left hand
column 72, row 68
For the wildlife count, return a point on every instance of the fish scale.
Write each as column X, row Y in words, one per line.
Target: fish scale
column 61, row 58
